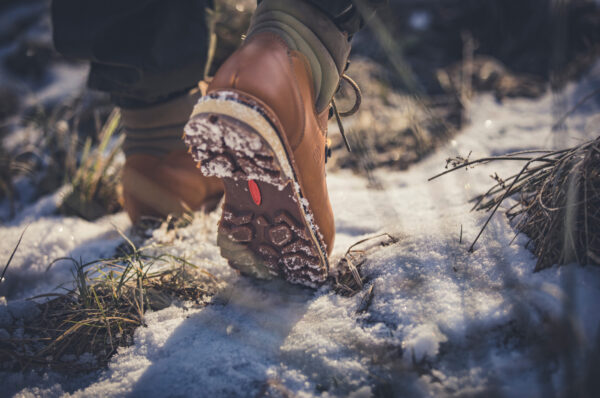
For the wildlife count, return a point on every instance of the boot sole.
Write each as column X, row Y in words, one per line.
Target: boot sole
column 266, row 229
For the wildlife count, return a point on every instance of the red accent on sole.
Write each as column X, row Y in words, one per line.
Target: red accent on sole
column 254, row 192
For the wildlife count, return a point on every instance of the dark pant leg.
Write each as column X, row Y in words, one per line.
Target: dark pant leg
column 147, row 51
column 345, row 13
column 141, row 51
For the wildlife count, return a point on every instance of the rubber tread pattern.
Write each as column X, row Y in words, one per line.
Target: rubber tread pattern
column 266, row 241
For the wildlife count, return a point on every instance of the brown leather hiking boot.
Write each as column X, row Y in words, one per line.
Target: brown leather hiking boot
column 160, row 177
column 169, row 185
column 258, row 130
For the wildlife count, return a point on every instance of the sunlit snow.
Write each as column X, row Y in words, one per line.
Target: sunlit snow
column 442, row 321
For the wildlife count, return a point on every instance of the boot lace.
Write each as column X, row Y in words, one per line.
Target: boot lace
column 338, row 115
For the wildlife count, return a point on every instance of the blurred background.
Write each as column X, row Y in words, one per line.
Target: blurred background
column 421, row 65
column 418, row 62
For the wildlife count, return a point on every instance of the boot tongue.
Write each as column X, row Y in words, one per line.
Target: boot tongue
column 308, row 30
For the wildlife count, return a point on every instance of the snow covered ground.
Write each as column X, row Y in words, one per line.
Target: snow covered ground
column 442, row 321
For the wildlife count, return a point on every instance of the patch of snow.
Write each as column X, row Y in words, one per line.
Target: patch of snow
column 47, row 239
column 422, row 341
column 441, row 321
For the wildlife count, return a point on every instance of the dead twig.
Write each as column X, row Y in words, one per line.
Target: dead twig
column 348, row 280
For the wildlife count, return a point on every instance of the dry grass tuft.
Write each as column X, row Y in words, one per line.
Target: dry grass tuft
column 81, row 329
column 95, row 184
column 557, row 201
column 74, row 142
